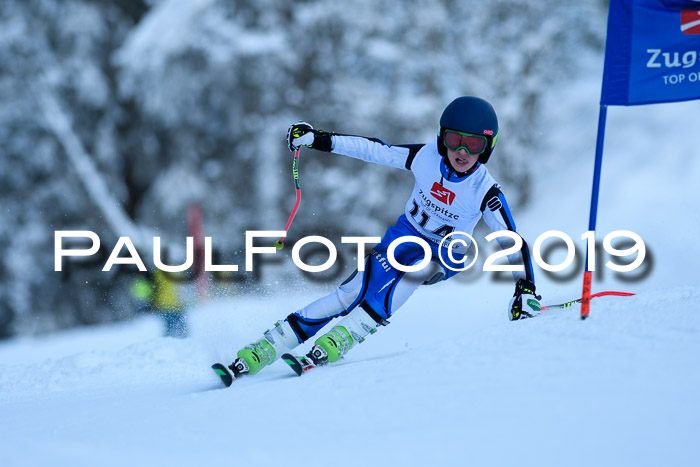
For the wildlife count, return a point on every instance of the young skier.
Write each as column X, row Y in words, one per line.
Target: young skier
column 452, row 191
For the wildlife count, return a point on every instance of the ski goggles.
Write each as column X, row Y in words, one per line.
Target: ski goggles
column 473, row 144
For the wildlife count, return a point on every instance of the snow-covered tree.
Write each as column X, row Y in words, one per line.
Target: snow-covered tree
column 177, row 102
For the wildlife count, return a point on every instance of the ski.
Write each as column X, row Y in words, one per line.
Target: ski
column 299, row 365
column 225, row 373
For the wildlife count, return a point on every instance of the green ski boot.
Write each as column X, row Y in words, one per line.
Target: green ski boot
column 335, row 344
column 261, row 353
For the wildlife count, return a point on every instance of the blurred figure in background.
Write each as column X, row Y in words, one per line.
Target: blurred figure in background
column 158, row 292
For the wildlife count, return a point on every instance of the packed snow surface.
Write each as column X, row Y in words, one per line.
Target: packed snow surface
column 441, row 383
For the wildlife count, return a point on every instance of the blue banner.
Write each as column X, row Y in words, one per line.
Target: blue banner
column 652, row 53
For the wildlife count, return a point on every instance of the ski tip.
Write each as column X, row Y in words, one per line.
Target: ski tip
column 224, row 373
column 293, row 363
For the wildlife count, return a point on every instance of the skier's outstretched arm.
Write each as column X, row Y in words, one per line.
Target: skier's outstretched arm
column 358, row 147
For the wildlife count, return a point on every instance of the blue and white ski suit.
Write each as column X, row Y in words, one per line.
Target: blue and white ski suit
column 442, row 202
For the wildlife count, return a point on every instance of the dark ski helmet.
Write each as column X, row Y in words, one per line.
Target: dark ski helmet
column 470, row 115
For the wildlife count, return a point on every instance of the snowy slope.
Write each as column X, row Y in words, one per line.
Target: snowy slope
column 450, row 380
column 437, row 385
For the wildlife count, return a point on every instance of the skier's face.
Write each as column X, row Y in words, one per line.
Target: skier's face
column 461, row 160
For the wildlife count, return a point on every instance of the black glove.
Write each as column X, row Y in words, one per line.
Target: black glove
column 525, row 302
column 303, row 134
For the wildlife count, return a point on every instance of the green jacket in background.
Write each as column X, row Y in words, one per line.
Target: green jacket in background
column 159, row 290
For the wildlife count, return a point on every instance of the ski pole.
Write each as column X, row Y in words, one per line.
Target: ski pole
column 578, row 300
column 279, row 244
